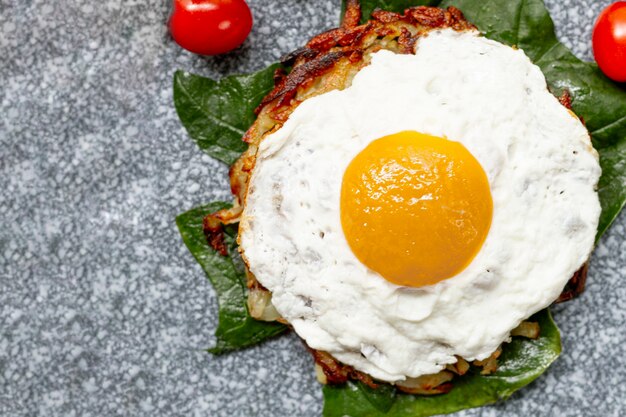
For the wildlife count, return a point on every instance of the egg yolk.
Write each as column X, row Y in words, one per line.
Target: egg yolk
column 415, row 208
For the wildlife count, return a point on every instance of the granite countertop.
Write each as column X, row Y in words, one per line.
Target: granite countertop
column 103, row 311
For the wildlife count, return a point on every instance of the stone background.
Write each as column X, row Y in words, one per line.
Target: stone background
column 103, row 312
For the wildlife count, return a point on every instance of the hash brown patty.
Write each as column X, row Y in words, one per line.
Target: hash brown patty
column 329, row 61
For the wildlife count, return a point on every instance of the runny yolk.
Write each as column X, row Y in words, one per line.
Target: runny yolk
column 415, row 208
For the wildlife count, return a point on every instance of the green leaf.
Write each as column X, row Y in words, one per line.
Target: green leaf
column 216, row 114
column 599, row 101
column 521, row 362
column 381, row 398
column 236, row 328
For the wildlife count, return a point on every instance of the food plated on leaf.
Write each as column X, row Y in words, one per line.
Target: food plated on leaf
column 413, row 196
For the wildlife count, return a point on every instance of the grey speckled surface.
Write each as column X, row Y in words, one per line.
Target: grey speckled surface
column 102, row 310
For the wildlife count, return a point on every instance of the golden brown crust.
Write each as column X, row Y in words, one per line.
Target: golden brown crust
column 566, row 99
column 336, row 372
column 352, row 15
column 351, row 41
column 576, row 285
column 214, row 233
column 434, row 384
column 304, row 73
column 489, row 365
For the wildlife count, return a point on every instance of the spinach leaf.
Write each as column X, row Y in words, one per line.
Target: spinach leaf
column 216, row 114
column 381, row 398
column 599, row 101
column 521, row 362
column 236, row 328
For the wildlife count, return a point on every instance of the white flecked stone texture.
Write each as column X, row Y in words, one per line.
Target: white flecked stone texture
column 103, row 312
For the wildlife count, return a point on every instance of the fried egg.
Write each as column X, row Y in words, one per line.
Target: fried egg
column 425, row 211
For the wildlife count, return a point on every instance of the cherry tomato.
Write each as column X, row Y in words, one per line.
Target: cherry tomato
column 609, row 41
column 210, row 27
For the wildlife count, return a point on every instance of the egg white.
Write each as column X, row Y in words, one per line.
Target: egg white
column 542, row 172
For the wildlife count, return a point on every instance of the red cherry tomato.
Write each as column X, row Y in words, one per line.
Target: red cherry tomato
column 609, row 41
column 210, row 27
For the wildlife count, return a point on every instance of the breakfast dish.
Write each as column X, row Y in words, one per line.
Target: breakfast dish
column 414, row 194
column 398, row 195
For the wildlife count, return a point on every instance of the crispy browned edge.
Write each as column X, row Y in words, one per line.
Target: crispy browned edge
column 329, row 61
